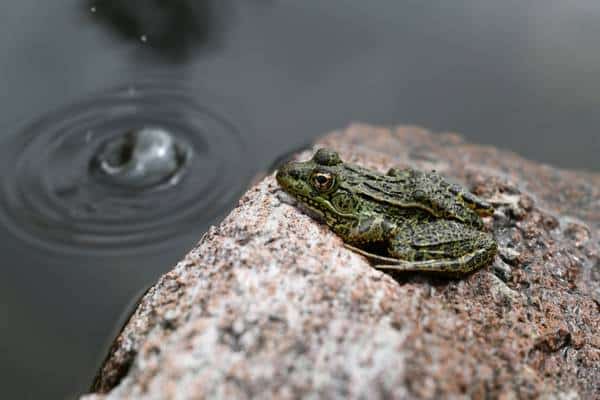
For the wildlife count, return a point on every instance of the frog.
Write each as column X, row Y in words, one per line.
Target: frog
column 405, row 219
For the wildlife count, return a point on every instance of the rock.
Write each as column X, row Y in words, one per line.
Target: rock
column 269, row 304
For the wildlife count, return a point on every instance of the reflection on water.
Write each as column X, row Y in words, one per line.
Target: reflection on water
column 161, row 163
column 172, row 27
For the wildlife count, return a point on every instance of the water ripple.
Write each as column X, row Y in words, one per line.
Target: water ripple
column 52, row 195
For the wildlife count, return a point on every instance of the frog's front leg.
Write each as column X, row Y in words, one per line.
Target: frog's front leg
column 441, row 246
column 366, row 231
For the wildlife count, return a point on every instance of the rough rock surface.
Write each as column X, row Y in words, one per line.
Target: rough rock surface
column 269, row 304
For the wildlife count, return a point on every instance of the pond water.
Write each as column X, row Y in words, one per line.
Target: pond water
column 130, row 127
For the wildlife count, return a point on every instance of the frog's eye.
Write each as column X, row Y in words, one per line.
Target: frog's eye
column 322, row 181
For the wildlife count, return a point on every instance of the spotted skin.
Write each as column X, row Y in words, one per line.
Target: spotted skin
column 404, row 220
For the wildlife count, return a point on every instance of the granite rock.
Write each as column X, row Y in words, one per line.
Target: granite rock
column 269, row 304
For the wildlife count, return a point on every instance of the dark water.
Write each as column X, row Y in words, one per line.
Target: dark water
column 232, row 85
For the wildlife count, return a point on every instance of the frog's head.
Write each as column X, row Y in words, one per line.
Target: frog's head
column 316, row 183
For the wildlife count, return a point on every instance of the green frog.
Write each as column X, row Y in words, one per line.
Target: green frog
column 405, row 220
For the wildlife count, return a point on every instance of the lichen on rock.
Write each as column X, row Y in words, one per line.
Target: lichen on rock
column 269, row 304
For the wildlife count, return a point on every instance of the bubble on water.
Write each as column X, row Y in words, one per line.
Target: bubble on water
column 118, row 172
column 141, row 158
column 143, row 38
column 93, row 9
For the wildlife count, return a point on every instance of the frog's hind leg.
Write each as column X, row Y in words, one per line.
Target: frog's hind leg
column 442, row 247
column 447, row 266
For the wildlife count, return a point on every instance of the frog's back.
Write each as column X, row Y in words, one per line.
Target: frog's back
column 393, row 190
column 413, row 189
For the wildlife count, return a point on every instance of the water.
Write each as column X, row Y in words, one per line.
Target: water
column 126, row 169
column 163, row 111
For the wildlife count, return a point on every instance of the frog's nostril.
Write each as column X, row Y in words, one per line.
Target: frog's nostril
column 285, row 172
column 289, row 172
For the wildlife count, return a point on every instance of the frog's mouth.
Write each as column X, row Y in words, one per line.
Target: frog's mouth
column 308, row 208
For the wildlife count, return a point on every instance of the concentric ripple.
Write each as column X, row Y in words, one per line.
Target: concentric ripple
column 54, row 194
